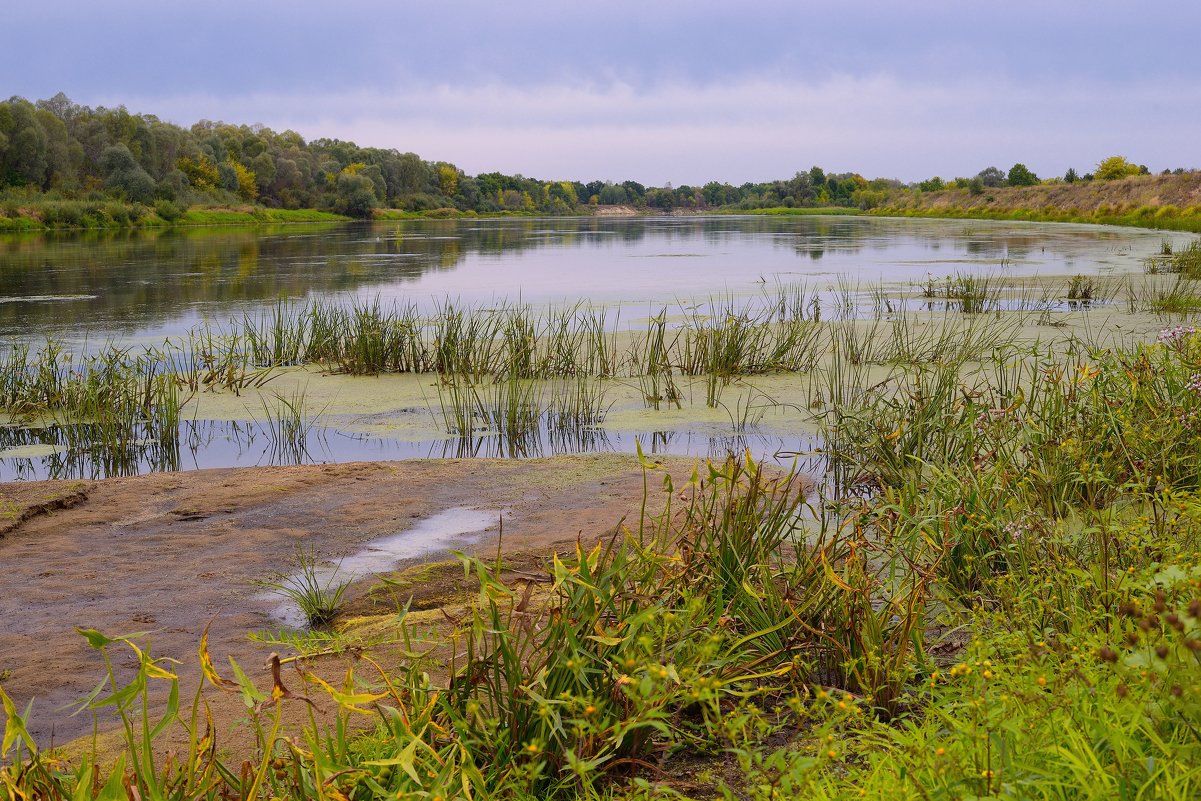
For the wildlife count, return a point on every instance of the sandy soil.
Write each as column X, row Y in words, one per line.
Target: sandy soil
column 168, row 553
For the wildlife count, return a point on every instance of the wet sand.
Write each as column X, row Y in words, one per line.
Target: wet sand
column 171, row 553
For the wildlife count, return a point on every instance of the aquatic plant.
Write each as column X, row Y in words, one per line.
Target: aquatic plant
column 316, row 591
column 287, row 422
column 1185, row 261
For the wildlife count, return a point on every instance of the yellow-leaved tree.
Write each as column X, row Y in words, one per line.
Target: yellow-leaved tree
column 1116, row 167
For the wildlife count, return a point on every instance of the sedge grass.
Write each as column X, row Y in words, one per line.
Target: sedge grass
column 315, row 591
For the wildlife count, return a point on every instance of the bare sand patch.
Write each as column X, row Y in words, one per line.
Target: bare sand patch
column 172, row 553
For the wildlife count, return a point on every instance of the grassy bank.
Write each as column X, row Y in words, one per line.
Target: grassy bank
column 221, row 216
column 996, row 591
column 452, row 214
column 1169, row 202
column 111, row 214
column 793, row 211
column 1165, row 218
column 999, row 597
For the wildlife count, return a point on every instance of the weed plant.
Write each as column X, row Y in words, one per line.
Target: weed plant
column 316, row 591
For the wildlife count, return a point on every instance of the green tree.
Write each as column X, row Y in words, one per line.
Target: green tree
column 612, row 195
column 991, row 177
column 1070, row 176
column 1021, row 175
column 23, row 160
column 125, row 175
column 355, row 195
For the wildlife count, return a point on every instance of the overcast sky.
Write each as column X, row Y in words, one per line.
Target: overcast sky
column 654, row 90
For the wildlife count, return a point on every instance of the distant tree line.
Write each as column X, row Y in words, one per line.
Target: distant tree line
column 1110, row 169
column 68, row 150
column 57, row 146
column 812, row 188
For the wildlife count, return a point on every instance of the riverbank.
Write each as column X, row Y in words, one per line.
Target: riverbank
column 186, row 549
column 115, row 215
column 1168, row 202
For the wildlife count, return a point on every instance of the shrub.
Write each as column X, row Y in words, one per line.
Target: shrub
column 1115, row 167
column 167, row 210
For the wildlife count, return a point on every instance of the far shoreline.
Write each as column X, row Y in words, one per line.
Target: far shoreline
column 1146, row 218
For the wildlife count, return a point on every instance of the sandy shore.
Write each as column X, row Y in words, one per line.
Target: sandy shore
column 171, row 553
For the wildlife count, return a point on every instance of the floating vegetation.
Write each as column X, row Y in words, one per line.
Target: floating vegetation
column 522, row 375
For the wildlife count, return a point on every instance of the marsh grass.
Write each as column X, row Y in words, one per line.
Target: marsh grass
column 1181, row 297
column 115, row 406
column 287, row 421
column 1081, row 288
column 277, row 338
column 521, row 411
column 316, row 591
column 748, row 339
column 969, row 293
column 650, row 356
column 1185, row 261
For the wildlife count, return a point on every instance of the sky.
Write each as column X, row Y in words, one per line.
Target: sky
column 680, row 91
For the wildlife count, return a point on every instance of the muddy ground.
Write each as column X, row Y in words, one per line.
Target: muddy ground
column 172, row 553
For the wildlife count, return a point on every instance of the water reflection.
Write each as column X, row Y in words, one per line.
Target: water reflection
column 76, row 452
column 154, row 283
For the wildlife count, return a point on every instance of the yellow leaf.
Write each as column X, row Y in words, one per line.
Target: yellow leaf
column 206, row 665
column 832, row 576
column 14, row 726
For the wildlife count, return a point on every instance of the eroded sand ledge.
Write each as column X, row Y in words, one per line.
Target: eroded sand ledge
column 170, row 552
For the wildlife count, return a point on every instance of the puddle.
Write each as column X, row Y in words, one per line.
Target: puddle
column 437, row 532
column 433, row 533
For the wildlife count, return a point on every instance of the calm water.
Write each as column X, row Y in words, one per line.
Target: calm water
column 144, row 286
column 147, row 285
column 67, row 452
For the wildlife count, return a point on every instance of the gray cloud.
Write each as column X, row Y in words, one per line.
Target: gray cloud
column 745, row 130
column 662, row 90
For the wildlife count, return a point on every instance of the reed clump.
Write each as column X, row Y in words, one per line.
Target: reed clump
column 1185, row 261
column 315, row 591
